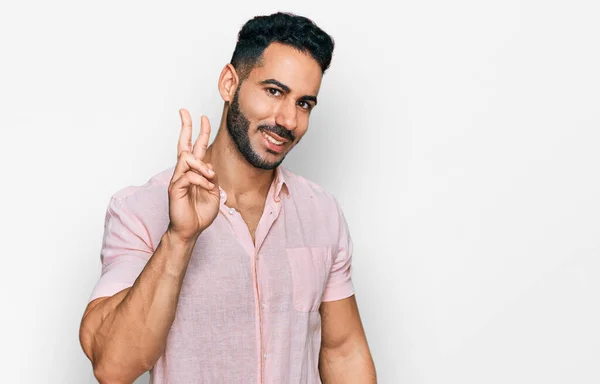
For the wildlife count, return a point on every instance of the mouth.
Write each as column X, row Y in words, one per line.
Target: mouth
column 273, row 142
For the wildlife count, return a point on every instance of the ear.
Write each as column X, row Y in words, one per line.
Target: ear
column 228, row 83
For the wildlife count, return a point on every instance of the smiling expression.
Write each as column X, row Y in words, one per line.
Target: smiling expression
column 270, row 110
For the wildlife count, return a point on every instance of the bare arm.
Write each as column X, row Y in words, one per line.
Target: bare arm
column 125, row 334
column 345, row 356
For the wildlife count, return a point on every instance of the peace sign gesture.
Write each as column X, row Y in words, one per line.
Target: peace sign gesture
column 193, row 190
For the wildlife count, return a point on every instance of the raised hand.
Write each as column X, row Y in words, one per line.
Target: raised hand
column 193, row 191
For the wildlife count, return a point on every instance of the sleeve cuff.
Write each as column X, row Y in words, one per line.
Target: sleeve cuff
column 339, row 293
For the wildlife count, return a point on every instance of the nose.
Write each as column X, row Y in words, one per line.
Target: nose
column 287, row 115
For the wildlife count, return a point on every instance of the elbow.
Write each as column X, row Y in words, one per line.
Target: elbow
column 113, row 359
column 103, row 372
column 105, row 376
column 108, row 370
column 86, row 339
column 112, row 373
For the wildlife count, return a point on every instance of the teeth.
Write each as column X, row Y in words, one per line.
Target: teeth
column 272, row 140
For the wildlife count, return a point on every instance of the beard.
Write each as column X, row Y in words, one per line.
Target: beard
column 238, row 127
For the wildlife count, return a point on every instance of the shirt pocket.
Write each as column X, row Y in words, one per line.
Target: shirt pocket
column 310, row 267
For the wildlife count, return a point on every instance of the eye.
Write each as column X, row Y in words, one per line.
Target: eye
column 304, row 105
column 274, row 91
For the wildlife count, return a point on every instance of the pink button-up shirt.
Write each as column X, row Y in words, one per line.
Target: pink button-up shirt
column 247, row 313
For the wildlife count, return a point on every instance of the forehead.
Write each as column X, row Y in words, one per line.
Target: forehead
column 296, row 69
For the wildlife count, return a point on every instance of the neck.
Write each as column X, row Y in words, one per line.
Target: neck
column 236, row 175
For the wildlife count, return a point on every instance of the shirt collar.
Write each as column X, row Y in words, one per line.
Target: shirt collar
column 280, row 183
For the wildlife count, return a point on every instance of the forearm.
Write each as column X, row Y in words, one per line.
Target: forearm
column 347, row 367
column 127, row 332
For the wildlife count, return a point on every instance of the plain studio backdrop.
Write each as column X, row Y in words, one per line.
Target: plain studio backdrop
column 461, row 139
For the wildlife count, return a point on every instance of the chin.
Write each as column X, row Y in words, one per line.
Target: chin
column 271, row 161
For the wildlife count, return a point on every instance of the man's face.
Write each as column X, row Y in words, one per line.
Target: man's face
column 269, row 112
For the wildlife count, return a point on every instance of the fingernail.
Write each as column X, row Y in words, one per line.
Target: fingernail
column 211, row 185
column 211, row 172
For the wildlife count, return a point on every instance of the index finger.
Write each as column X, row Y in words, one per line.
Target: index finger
column 201, row 144
column 185, row 137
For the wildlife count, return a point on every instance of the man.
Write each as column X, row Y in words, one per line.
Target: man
column 230, row 268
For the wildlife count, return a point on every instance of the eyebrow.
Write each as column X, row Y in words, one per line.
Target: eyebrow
column 287, row 89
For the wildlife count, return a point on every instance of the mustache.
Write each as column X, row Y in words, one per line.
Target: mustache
column 278, row 130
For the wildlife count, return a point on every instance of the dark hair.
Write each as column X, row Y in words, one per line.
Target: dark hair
column 286, row 28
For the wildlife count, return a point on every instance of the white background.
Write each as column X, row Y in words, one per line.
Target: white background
column 461, row 139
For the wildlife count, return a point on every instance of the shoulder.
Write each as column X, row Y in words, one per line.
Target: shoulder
column 148, row 203
column 319, row 209
column 305, row 190
column 315, row 203
column 155, row 187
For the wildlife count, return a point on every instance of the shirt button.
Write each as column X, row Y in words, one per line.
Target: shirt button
column 265, row 356
column 277, row 199
column 231, row 211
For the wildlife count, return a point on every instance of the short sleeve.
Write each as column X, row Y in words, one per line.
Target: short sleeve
column 125, row 250
column 339, row 286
